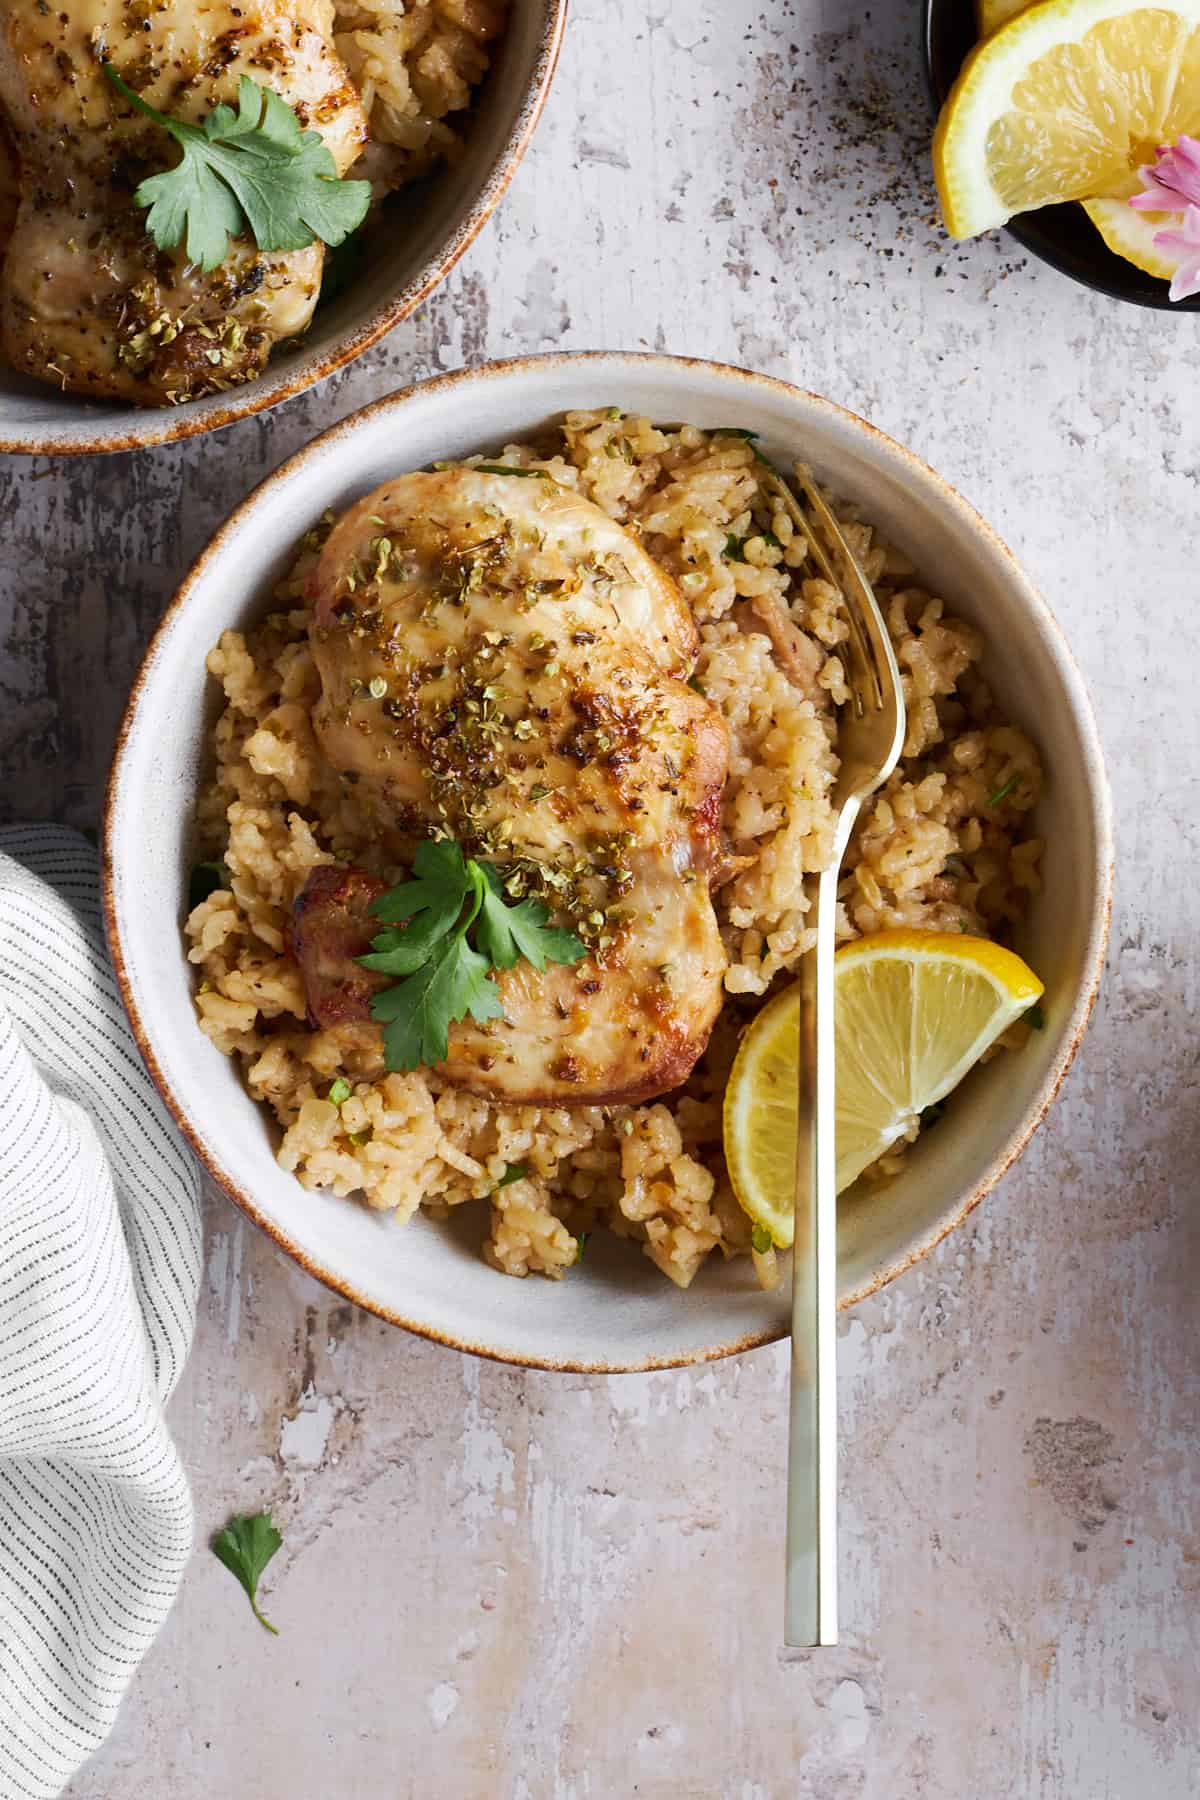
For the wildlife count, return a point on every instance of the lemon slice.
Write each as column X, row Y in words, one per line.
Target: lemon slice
column 992, row 14
column 1131, row 234
column 1063, row 103
column 915, row 1011
column 760, row 1116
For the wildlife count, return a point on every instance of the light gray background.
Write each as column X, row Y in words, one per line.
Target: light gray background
column 520, row 1585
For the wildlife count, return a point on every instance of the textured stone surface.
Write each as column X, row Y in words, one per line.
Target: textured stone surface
column 517, row 1585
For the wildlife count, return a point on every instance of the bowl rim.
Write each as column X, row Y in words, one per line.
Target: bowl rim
column 147, row 428
column 922, row 474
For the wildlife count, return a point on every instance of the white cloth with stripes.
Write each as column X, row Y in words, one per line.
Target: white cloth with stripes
column 99, row 1267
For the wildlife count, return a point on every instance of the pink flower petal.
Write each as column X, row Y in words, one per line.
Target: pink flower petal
column 1186, row 280
column 1174, row 180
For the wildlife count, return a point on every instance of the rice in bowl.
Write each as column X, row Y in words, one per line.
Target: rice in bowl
column 947, row 845
column 416, row 65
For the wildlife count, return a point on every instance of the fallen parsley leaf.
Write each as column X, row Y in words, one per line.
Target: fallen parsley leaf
column 932, row 1114
column 443, row 977
column 1002, row 793
column 254, row 170
column 735, row 549
column 246, row 1546
column 581, row 1245
column 205, row 879
column 512, row 1172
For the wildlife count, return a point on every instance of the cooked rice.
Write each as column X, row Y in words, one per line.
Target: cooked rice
column 946, row 845
column 416, row 64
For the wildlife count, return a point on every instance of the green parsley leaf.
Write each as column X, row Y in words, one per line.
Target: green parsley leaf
column 444, row 978
column 581, row 1245
column 1002, row 793
column 932, row 1114
column 762, row 1240
column 400, row 952
column 246, row 1546
column 512, row 1172
column 254, row 170
column 1036, row 1018
column 507, row 933
column 417, row 1013
column 339, row 1091
column 205, row 879
column 441, row 885
column 735, row 549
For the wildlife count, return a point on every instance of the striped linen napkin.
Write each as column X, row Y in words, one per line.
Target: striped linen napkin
column 99, row 1268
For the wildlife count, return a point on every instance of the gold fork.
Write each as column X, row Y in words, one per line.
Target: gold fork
column 870, row 738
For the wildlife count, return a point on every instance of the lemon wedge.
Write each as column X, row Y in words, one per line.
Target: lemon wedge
column 1131, row 234
column 1064, row 102
column 915, row 1010
column 1127, row 233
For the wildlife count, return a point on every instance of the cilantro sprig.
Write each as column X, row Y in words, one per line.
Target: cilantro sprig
column 251, row 170
column 441, row 976
column 246, row 1546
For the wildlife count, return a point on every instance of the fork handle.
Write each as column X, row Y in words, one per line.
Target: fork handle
column 810, row 1608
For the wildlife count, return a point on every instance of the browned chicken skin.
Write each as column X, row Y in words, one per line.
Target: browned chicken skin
column 501, row 661
column 331, row 928
column 87, row 300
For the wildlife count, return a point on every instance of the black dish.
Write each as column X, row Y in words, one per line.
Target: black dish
column 1062, row 236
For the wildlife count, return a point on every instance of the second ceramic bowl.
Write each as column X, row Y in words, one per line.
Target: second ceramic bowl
column 425, row 230
column 616, row 1312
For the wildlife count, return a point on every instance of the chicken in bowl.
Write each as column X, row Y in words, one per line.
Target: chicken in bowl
column 159, row 244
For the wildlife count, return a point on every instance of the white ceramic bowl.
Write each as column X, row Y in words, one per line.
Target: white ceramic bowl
column 617, row 1312
column 428, row 228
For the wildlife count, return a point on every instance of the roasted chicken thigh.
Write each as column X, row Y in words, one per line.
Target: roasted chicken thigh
column 502, row 663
